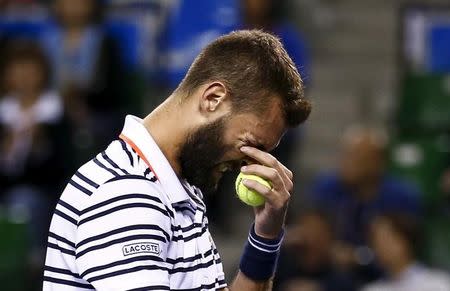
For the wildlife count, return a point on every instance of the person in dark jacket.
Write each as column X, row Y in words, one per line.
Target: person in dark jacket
column 306, row 261
column 357, row 191
column 31, row 168
column 87, row 73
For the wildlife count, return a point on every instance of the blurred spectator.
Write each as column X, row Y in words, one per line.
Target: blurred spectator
column 394, row 238
column 265, row 14
column 27, row 108
column 77, row 46
column 306, row 262
column 87, row 72
column 356, row 192
column 31, row 166
column 185, row 33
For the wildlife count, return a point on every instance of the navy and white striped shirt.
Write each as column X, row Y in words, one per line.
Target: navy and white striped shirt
column 126, row 222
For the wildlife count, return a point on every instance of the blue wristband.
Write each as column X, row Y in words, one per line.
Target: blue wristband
column 259, row 259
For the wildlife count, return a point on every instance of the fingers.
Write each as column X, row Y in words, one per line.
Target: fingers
column 265, row 172
column 278, row 182
column 270, row 161
column 262, row 157
column 277, row 199
column 288, row 172
column 266, row 159
column 269, row 218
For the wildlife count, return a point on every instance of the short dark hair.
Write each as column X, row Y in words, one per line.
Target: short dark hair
column 253, row 65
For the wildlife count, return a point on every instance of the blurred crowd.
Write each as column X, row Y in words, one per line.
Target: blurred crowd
column 71, row 69
column 363, row 228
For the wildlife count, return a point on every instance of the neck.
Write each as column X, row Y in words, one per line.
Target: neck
column 28, row 99
column 169, row 130
column 73, row 35
column 367, row 190
column 400, row 266
column 74, row 29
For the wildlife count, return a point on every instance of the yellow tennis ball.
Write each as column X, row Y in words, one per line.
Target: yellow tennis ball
column 248, row 196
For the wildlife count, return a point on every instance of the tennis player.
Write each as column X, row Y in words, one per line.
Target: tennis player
column 133, row 217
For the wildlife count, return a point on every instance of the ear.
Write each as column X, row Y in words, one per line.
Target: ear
column 214, row 98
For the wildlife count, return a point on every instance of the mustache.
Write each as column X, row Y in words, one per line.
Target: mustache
column 232, row 165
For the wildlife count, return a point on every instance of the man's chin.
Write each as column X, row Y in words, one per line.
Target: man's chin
column 211, row 181
column 211, row 188
column 207, row 187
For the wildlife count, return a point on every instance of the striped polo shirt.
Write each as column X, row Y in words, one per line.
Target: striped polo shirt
column 125, row 221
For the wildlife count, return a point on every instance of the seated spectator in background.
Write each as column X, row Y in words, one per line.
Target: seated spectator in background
column 356, row 192
column 265, row 14
column 87, row 72
column 394, row 238
column 30, row 120
column 306, row 262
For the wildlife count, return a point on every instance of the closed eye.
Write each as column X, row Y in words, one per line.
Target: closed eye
column 256, row 145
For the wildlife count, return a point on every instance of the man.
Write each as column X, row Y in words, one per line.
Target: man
column 305, row 261
column 133, row 218
column 357, row 191
column 394, row 238
column 361, row 186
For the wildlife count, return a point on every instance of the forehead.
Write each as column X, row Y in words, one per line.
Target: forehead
column 262, row 130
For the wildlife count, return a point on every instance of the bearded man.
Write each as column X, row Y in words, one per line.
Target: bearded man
column 133, row 217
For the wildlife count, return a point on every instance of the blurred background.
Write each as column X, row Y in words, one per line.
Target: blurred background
column 371, row 205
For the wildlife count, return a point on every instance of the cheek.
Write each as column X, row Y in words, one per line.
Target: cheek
column 232, row 154
column 232, row 145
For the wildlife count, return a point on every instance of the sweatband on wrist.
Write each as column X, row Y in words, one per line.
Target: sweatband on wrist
column 259, row 259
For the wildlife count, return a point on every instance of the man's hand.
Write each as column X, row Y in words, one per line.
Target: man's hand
column 269, row 218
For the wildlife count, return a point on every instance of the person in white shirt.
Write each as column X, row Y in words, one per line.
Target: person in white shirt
column 394, row 238
column 31, row 119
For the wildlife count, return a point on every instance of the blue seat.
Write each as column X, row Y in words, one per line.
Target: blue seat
column 439, row 40
column 187, row 32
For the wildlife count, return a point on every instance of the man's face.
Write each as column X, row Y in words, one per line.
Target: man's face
column 24, row 77
column 361, row 161
column 74, row 12
column 214, row 148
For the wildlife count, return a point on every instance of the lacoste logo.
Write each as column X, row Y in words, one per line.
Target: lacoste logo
column 144, row 247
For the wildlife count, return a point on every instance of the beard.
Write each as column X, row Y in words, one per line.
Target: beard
column 201, row 153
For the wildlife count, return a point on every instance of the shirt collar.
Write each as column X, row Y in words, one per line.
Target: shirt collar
column 411, row 271
column 135, row 131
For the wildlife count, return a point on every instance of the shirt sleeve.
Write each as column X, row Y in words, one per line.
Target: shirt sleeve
column 123, row 235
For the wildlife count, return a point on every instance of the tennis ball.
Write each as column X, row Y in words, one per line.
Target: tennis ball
column 248, row 196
